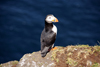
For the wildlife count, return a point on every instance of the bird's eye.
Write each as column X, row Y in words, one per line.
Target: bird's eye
column 49, row 17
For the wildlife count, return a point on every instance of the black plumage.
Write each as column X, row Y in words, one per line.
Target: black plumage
column 48, row 37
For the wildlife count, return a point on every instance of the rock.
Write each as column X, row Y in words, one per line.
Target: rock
column 77, row 56
column 35, row 60
column 69, row 56
column 9, row 64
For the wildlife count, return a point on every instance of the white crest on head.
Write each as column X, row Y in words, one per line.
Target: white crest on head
column 49, row 18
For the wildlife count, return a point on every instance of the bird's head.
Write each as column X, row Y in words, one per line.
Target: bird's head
column 50, row 18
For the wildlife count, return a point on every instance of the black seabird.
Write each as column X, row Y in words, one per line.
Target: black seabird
column 48, row 35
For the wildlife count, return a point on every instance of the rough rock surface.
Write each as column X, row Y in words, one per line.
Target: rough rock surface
column 77, row 56
column 35, row 60
column 9, row 64
column 69, row 56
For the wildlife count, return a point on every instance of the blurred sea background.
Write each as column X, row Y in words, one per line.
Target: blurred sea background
column 22, row 21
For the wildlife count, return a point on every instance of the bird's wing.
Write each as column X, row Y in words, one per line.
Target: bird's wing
column 47, row 39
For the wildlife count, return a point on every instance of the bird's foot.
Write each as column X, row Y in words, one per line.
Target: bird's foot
column 54, row 48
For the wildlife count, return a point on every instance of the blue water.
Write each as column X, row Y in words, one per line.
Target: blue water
column 22, row 21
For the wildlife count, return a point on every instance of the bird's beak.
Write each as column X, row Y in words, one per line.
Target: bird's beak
column 55, row 19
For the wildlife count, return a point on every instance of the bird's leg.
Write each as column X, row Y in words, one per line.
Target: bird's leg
column 53, row 48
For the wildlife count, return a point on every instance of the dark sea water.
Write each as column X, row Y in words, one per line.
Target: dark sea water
column 22, row 21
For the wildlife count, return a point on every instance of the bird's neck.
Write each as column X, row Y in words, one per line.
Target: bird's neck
column 48, row 26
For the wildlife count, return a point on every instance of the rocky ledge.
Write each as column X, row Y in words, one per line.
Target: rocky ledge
column 69, row 56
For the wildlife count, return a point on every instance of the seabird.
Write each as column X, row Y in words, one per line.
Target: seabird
column 48, row 35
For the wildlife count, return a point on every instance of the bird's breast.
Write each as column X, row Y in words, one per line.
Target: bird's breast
column 54, row 29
